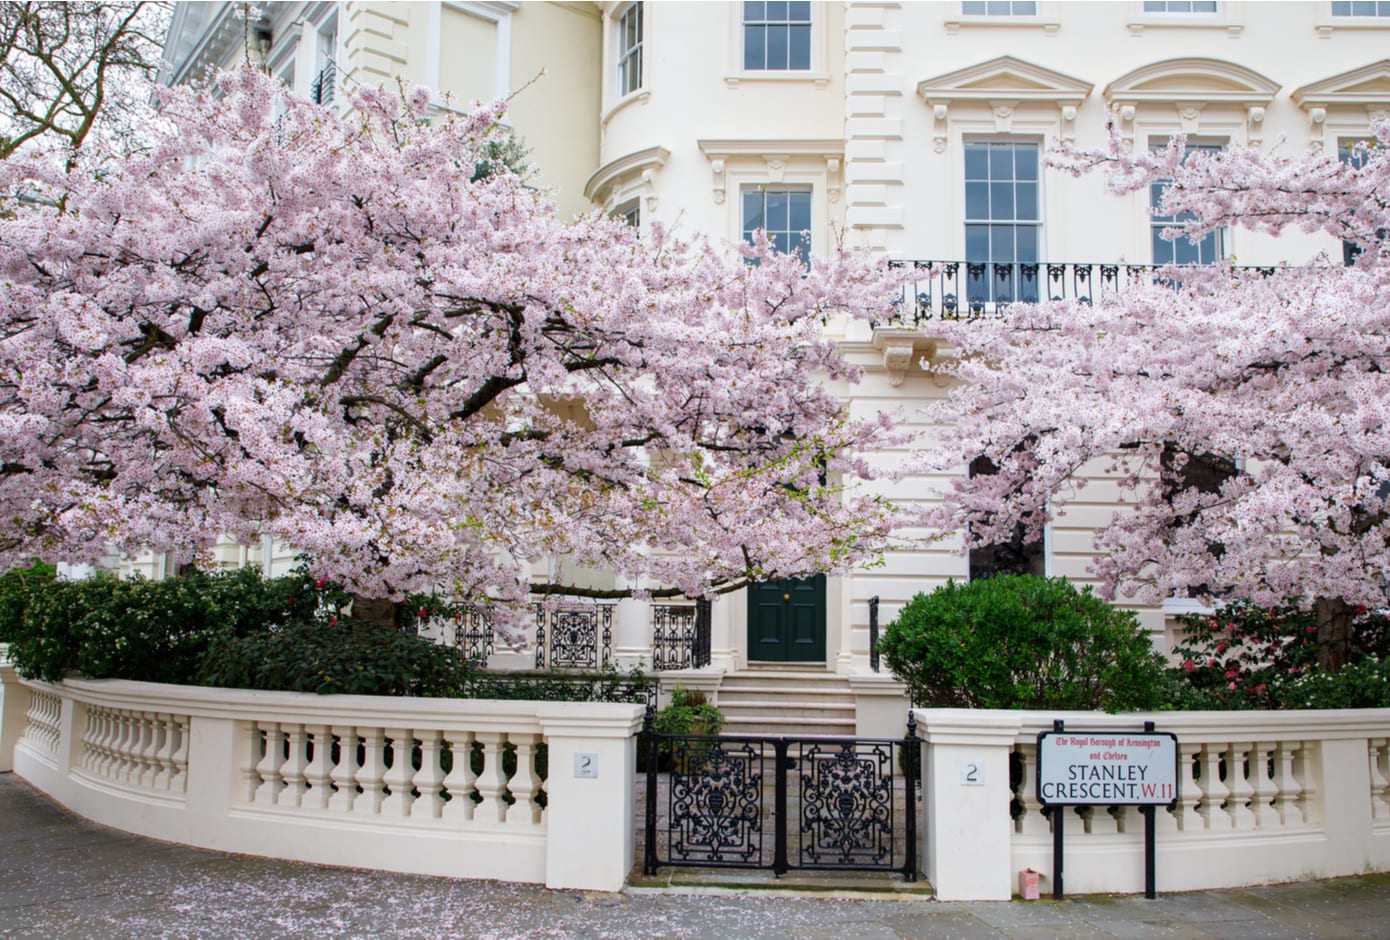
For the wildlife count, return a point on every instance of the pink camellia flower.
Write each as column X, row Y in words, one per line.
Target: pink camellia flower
column 1221, row 647
column 1232, row 673
column 1188, row 665
column 1231, row 685
column 1260, row 689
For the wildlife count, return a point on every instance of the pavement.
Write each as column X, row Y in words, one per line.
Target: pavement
column 61, row 876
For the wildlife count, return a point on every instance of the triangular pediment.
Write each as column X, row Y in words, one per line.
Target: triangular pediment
column 1193, row 79
column 1368, row 85
column 1005, row 77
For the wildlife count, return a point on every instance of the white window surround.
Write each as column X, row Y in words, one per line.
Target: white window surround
column 1045, row 19
column 494, row 11
column 1217, row 241
column 1005, row 96
column 612, row 102
column 817, row 75
column 1229, row 16
column 1211, row 97
column 630, row 19
column 628, row 178
column 1345, row 104
column 779, row 164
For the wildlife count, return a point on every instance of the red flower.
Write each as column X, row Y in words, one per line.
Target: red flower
column 1232, row 673
column 321, row 582
column 332, row 621
column 1260, row 689
column 1188, row 665
column 424, row 613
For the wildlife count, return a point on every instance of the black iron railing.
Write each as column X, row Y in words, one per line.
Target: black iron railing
column 473, row 634
column 680, row 636
column 324, row 89
column 606, row 685
column 574, row 636
column 873, row 633
column 956, row 290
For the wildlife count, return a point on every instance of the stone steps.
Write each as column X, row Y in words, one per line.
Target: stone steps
column 787, row 703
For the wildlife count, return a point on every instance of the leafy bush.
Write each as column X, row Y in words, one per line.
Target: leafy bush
column 357, row 659
column 606, row 685
column 1362, row 684
column 1244, row 656
column 688, row 713
column 154, row 631
column 15, row 588
column 1019, row 641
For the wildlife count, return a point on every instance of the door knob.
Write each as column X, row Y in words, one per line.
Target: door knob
column 786, row 597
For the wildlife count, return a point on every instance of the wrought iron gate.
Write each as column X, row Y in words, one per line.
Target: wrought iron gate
column 781, row 803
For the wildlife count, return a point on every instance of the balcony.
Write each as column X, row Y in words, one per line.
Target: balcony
column 323, row 90
column 956, row 290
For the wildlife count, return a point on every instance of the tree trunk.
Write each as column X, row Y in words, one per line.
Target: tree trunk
column 374, row 610
column 1334, row 633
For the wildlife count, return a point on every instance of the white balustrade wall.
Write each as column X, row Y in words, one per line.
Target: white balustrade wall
column 432, row 786
column 1263, row 797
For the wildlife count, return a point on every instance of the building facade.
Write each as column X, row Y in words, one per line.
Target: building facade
column 916, row 130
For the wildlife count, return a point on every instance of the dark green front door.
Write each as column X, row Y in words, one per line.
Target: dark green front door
column 786, row 621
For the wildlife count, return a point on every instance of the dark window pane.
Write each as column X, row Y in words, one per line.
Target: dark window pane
column 976, row 242
column 777, row 10
column 1001, row 201
column 754, row 53
column 777, row 47
column 1027, row 242
column 1001, row 162
column 800, row 211
column 800, row 48
column 753, row 10
column 976, row 162
column 752, row 210
column 799, row 10
column 1027, row 200
column 1001, row 244
column 1025, row 161
column 976, row 200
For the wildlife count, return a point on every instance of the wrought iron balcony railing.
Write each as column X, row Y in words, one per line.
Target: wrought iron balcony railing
column 325, row 82
column 955, row 290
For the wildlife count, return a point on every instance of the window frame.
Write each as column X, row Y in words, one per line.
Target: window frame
column 767, row 23
column 1156, row 224
column 1382, row 11
column 991, row 288
column 1011, row 12
column 805, row 246
column 625, row 55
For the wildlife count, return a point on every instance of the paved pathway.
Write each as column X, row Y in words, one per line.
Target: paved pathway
column 63, row 877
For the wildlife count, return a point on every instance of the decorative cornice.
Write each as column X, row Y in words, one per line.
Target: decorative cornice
column 596, row 190
column 1004, row 78
column 775, row 153
column 1193, row 80
column 1368, row 86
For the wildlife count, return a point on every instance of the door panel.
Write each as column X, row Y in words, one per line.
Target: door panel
column 786, row 620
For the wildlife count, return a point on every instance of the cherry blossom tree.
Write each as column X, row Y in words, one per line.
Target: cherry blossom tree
column 69, row 68
column 283, row 322
column 1244, row 415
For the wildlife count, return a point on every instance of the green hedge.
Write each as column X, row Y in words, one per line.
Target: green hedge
column 1019, row 641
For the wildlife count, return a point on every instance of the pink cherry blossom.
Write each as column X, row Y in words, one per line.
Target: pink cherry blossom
column 284, row 322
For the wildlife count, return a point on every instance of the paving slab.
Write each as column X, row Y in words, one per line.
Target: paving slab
column 61, row 876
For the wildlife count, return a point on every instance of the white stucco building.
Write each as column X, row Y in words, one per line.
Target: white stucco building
column 913, row 129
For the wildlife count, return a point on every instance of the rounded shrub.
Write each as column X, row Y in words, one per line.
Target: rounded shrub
column 1020, row 641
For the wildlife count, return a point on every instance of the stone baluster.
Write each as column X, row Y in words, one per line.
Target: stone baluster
column 1032, row 821
column 371, row 773
column 147, row 761
column 104, row 747
column 164, row 755
column 1379, row 755
column 1262, row 778
column 1308, row 751
column 90, row 735
column 128, row 763
column 1214, row 792
column 525, row 783
column 1286, row 786
column 178, row 779
column 398, row 803
column 429, row 779
column 316, row 772
column 460, row 780
column 1240, row 767
column 268, row 769
column 491, row 783
column 344, row 770
column 292, row 770
column 251, row 745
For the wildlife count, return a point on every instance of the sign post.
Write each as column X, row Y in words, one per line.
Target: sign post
column 1106, row 768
